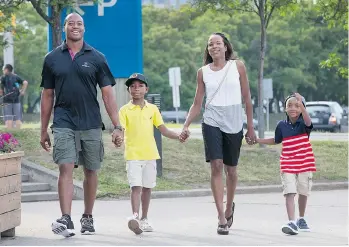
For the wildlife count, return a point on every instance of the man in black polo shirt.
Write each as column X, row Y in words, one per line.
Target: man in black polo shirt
column 71, row 73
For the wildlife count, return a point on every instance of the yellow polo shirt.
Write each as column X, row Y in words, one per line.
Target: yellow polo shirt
column 139, row 130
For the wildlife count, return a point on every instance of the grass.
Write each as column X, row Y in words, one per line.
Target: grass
column 36, row 125
column 184, row 166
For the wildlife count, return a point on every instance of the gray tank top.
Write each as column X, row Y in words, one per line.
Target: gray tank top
column 225, row 110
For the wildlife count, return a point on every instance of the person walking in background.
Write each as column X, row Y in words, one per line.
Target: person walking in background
column 223, row 79
column 297, row 160
column 12, row 87
column 138, row 119
column 71, row 73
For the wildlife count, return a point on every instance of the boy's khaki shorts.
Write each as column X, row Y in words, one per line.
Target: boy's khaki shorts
column 141, row 173
column 300, row 183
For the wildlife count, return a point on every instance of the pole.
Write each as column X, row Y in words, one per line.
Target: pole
column 267, row 114
column 177, row 120
column 156, row 99
column 8, row 49
column 158, row 140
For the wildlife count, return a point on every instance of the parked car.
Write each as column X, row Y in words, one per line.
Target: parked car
column 255, row 122
column 326, row 115
column 170, row 116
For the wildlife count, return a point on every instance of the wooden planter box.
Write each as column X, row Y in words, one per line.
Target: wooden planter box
column 10, row 192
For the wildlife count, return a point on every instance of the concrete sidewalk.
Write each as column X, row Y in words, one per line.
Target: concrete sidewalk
column 193, row 221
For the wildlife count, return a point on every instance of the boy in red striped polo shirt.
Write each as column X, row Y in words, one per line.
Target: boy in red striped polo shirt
column 297, row 161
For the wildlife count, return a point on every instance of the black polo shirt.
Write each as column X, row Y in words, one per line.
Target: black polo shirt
column 75, row 84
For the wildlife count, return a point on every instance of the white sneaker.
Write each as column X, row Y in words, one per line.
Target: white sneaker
column 145, row 226
column 134, row 224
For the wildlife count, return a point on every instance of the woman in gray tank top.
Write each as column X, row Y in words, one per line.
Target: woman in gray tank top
column 223, row 80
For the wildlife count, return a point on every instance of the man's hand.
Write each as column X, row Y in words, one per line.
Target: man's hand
column 117, row 137
column 184, row 135
column 250, row 136
column 45, row 141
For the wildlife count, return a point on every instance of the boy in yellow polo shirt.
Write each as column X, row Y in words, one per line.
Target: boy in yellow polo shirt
column 137, row 118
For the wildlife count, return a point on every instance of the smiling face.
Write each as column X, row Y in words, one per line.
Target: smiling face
column 74, row 27
column 137, row 90
column 293, row 109
column 216, row 47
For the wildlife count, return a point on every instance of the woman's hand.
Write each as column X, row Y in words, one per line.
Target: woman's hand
column 250, row 136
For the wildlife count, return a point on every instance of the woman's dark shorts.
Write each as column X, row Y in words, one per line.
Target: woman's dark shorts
column 221, row 145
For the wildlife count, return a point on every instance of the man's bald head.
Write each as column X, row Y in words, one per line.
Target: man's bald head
column 74, row 16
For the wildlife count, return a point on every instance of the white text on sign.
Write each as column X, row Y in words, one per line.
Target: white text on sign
column 101, row 5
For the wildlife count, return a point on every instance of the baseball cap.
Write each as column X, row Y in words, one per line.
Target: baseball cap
column 138, row 77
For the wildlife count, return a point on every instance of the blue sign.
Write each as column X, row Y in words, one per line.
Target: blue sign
column 113, row 27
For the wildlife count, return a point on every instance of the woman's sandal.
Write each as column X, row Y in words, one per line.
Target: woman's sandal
column 223, row 229
column 230, row 219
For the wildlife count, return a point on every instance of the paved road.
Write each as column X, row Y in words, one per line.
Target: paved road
column 318, row 136
column 193, row 221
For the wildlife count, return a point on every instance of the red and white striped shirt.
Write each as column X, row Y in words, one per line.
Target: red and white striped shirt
column 297, row 154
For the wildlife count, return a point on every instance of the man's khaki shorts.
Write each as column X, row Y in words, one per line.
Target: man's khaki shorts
column 78, row 147
column 300, row 183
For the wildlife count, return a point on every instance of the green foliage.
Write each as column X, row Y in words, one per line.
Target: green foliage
column 334, row 13
column 30, row 47
column 295, row 48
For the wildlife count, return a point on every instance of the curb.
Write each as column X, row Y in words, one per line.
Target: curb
column 246, row 190
column 45, row 175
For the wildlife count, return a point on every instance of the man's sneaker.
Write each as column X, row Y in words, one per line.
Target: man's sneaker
column 87, row 227
column 63, row 226
column 145, row 226
column 134, row 224
column 290, row 229
column 302, row 225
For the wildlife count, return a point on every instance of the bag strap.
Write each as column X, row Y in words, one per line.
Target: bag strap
column 220, row 84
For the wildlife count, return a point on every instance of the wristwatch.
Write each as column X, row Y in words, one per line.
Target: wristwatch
column 118, row 127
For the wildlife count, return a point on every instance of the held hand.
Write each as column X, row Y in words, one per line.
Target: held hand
column 251, row 137
column 45, row 141
column 117, row 138
column 184, row 135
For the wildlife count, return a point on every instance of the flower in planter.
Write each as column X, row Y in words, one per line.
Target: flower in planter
column 8, row 143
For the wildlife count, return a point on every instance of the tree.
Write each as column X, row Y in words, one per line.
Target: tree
column 334, row 13
column 10, row 4
column 265, row 10
column 8, row 18
column 178, row 38
column 28, row 62
column 55, row 8
column 30, row 29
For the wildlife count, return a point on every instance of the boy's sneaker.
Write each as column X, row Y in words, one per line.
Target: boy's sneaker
column 87, row 227
column 145, row 226
column 290, row 229
column 134, row 224
column 63, row 226
column 302, row 225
